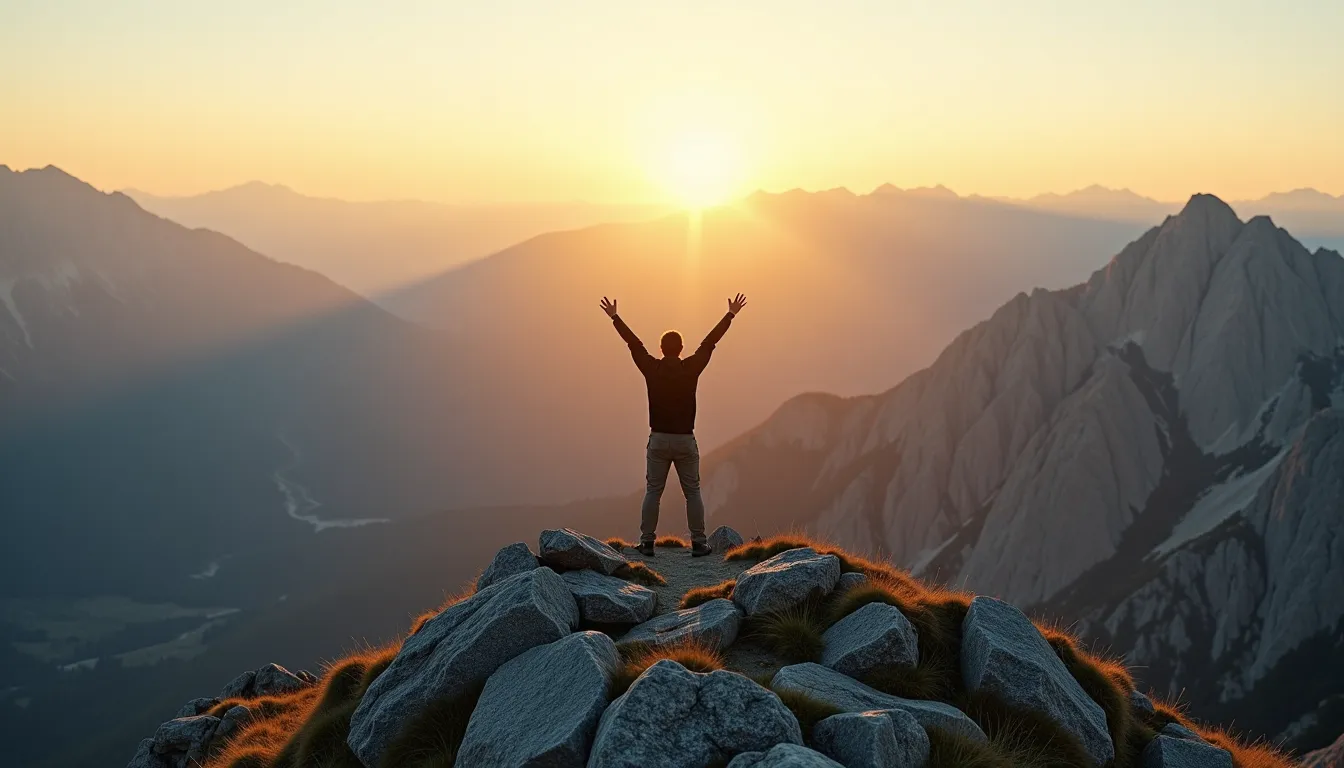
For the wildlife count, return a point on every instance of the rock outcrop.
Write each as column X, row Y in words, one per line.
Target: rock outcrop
column 714, row 624
column 609, row 600
column 459, row 648
column 672, row 717
column 873, row 739
column 568, row 550
column 849, row 695
column 876, row 635
column 1002, row 652
column 786, row 580
column 509, row 561
column 542, row 707
column 1173, row 752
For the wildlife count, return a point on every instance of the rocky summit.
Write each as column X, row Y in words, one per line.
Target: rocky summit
column 777, row 653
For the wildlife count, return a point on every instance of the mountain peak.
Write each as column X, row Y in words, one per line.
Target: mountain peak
column 1201, row 204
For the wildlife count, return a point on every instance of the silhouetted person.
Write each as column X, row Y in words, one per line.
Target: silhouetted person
column 671, row 382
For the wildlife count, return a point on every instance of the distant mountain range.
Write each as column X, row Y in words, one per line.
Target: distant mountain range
column 1156, row 453
column 374, row 247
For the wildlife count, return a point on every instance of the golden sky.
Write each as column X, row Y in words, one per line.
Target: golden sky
column 622, row 100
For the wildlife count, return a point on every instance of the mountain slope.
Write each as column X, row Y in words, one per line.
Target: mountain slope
column 374, row 247
column 1144, row 452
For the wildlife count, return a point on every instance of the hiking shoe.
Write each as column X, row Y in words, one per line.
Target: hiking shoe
column 645, row 548
column 700, row 550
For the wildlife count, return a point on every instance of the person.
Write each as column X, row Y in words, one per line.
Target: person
column 671, row 382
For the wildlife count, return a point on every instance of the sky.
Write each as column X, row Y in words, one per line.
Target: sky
column 632, row 101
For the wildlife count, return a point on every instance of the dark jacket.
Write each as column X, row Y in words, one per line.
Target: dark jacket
column 671, row 380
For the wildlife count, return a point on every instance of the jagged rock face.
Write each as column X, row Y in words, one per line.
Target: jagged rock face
column 1329, row 757
column 1148, row 453
column 672, row 717
column 1172, row 752
column 461, row 647
column 714, row 624
column 1002, row 652
column 542, row 707
column 849, row 695
column 873, row 739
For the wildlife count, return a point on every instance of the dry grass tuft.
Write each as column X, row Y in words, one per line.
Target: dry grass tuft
column 794, row 635
column 674, row 542
column 696, row 657
column 640, row 573
column 1025, row 737
column 618, row 544
column 768, row 548
column 701, row 595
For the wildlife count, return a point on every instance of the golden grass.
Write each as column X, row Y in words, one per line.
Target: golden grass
column 618, row 544
column 701, row 595
column 640, row 573
column 696, row 657
column 674, row 542
column 793, row 635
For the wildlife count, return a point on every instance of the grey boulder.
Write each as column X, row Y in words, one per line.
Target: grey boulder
column 1178, row 731
column 459, row 648
column 875, row 635
column 509, row 561
column 186, row 735
column 307, row 677
column 723, row 539
column 883, row 739
column 238, row 687
column 569, row 550
column 785, row 756
column 850, row 580
column 1002, row 652
column 849, row 695
column 1140, row 702
column 146, row 757
column 609, row 600
column 196, row 707
column 786, row 580
column 542, row 708
column 1170, row 752
column 273, row 680
column 674, row 718
column 231, row 721
column 714, row 624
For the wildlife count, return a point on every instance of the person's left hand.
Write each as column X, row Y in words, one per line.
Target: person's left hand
column 608, row 306
column 735, row 305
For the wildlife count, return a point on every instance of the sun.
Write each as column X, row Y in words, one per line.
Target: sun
column 700, row 169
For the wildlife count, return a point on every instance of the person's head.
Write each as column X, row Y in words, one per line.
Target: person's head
column 671, row 344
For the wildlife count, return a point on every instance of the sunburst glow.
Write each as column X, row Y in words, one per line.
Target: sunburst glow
column 700, row 169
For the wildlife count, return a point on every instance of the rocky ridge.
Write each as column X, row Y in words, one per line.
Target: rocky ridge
column 508, row 675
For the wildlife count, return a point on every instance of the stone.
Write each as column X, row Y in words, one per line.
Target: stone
column 1140, row 702
column 850, row 580
column 146, row 757
column 568, row 550
column 672, row 717
column 609, row 600
column 878, row 739
column 784, row 756
column 1169, row 752
column 873, row 636
column 542, row 708
column 458, row 649
column 510, row 561
column 189, row 735
column 849, row 695
column 307, row 677
column 786, row 580
column 231, row 721
column 1178, row 731
column 713, row 623
column 723, row 538
column 239, row 687
column 196, row 707
column 1326, row 757
column 275, row 680
column 1002, row 652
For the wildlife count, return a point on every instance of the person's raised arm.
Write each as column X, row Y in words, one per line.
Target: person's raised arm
column 641, row 355
column 701, row 357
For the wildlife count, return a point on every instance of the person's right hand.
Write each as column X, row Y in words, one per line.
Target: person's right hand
column 608, row 306
column 735, row 305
